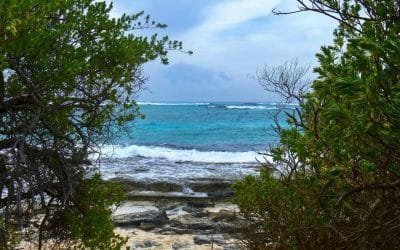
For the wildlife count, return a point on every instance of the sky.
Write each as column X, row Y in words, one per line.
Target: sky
column 230, row 40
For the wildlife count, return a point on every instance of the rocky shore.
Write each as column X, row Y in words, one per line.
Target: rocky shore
column 162, row 215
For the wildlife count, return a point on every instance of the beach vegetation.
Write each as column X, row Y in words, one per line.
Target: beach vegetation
column 334, row 179
column 69, row 73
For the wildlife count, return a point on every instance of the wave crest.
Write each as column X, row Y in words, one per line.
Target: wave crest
column 174, row 104
column 190, row 155
column 248, row 107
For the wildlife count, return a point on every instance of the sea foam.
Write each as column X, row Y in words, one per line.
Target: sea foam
column 248, row 107
column 174, row 104
column 189, row 155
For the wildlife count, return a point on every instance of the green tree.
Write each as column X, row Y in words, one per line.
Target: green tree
column 344, row 190
column 68, row 75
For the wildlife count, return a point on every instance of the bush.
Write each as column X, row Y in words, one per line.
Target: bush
column 334, row 180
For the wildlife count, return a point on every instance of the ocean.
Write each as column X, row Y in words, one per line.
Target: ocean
column 180, row 141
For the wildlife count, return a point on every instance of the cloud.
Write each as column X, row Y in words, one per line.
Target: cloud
column 222, row 18
column 241, row 35
column 226, row 14
column 189, row 83
column 230, row 38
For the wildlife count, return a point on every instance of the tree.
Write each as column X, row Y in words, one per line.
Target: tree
column 68, row 76
column 346, row 190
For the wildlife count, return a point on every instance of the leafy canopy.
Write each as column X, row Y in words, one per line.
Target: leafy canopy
column 69, row 72
column 343, row 150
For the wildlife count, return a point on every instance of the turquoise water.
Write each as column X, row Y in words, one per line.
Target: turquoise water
column 205, row 126
column 180, row 141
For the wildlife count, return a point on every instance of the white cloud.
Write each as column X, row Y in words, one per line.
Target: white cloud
column 227, row 14
column 217, row 35
column 237, row 36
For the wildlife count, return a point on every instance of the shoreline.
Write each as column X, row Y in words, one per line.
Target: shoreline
column 184, row 226
column 156, row 217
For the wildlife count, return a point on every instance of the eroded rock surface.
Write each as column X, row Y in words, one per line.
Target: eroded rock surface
column 157, row 218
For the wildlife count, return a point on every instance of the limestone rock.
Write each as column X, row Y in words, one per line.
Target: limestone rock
column 146, row 244
column 147, row 226
column 157, row 218
column 208, row 239
column 180, row 245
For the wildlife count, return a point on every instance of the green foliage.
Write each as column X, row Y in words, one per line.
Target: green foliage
column 8, row 235
column 69, row 73
column 342, row 187
column 90, row 223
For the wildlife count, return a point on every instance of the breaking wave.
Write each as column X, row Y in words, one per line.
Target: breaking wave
column 171, row 154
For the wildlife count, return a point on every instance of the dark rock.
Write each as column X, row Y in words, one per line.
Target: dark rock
column 175, row 230
column 176, row 196
column 224, row 193
column 180, row 245
column 131, row 185
column 157, row 218
column 146, row 244
column 201, row 239
column 208, row 239
column 163, row 187
column 190, row 209
column 200, row 204
column 170, row 207
column 209, row 185
column 147, row 226
column 201, row 214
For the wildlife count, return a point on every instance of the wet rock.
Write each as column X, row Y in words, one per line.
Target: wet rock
column 224, row 193
column 180, row 245
column 217, row 187
column 209, row 239
column 200, row 204
column 146, row 244
column 157, row 218
column 171, row 196
column 132, row 185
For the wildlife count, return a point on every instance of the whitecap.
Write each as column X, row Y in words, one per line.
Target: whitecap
column 174, row 104
column 189, row 155
column 248, row 107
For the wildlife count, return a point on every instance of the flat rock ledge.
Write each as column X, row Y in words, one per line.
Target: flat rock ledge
column 196, row 214
column 204, row 223
column 156, row 218
column 193, row 188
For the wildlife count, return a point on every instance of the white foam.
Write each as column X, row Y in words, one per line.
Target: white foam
column 174, row 104
column 191, row 155
column 248, row 107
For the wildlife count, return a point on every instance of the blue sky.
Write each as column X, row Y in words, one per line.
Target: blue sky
column 230, row 39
